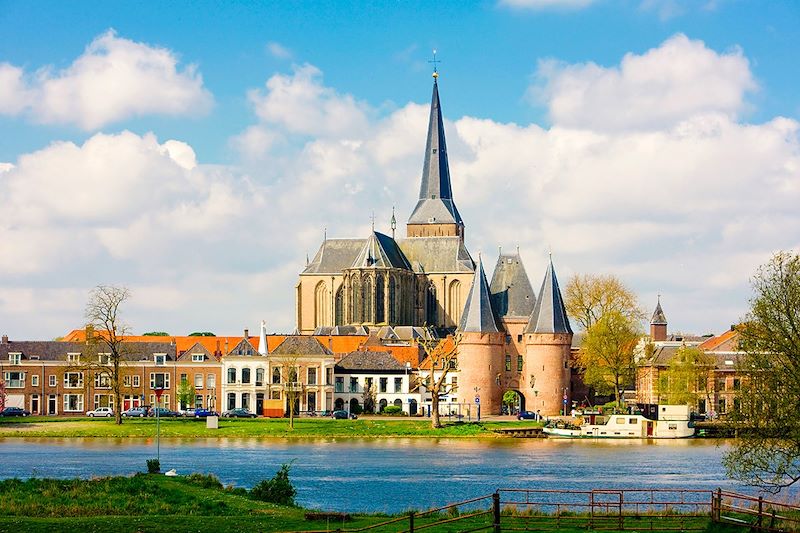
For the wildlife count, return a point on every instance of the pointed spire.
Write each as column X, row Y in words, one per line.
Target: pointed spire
column 262, row 339
column 511, row 290
column 478, row 316
column 659, row 319
column 393, row 222
column 549, row 314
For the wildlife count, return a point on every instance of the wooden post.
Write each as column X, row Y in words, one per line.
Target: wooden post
column 591, row 510
column 496, row 510
column 760, row 511
column 411, row 522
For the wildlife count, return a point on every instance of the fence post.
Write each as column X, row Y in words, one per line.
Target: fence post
column 591, row 510
column 411, row 522
column 496, row 511
column 760, row 511
column 716, row 503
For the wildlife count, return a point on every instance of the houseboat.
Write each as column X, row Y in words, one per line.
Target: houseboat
column 650, row 422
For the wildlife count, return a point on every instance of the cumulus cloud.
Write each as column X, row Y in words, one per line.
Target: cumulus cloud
column 677, row 80
column 113, row 80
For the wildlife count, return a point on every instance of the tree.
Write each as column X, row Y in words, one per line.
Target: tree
column 607, row 353
column 2, row 393
column 510, row 400
column 292, row 386
column 685, row 379
column 202, row 334
column 368, row 398
column 588, row 297
column 767, row 452
column 155, row 334
column 103, row 315
column 443, row 357
column 186, row 393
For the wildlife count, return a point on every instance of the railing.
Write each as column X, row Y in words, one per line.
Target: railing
column 598, row 510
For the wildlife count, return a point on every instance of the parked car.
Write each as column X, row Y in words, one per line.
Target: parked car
column 340, row 415
column 14, row 411
column 238, row 413
column 139, row 412
column 527, row 415
column 189, row 411
column 163, row 412
column 203, row 413
column 101, row 411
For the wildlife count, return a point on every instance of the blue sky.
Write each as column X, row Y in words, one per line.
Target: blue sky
column 359, row 77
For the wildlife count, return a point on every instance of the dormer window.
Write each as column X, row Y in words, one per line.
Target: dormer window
column 197, row 358
column 73, row 357
column 160, row 359
column 104, row 358
column 14, row 358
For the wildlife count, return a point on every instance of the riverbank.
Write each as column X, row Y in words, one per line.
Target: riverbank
column 248, row 428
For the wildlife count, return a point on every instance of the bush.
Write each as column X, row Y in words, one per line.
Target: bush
column 153, row 466
column 392, row 410
column 276, row 490
column 209, row 481
column 356, row 410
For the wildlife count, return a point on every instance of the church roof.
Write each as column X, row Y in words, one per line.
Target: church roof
column 659, row 319
column 549, row 314
column 335, row 255
column 511, row 291
column 478, row 316
column 437, row 254
column 380, row 251
column 435, row 203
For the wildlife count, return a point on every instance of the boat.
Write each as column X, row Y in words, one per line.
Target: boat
column 649, row 422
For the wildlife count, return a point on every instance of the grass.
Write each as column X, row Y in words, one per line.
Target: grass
column 261, row 427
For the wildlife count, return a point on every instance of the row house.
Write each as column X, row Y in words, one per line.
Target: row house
column 378, row 372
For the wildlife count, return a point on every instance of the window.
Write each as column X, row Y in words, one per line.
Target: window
column 339, row 386
column 293, row 373
column 73, row 403
column 383, row 384
column 160, row 359
column 198, row 381
column 104, row 358
column 508, row 363
column 15, row 380
column 159, row 380
column 184, row 378
column 14, row 358
column 103, row 400
column 367, row 383
column 276, row 375
column 721, row 384
column 328, row 374
column 721, row 405
column 126, row 381
column 137, row 382
column 519, row 363
column 312, row 376
column 198, row 398
column 35, row 380
column 198, row 358
column 454, row 383
column 275, row 394
column 519, row 338
column 102, row 381
column 245, row 376
column 231, row 375
column 73, row 380
column 73, row 357
column 259, row 377
column 633, row 421
column 353, row 384
column 737, row 384
column 52, row 381
column 245, row 401
column 231, row 400
column 398, row 384
column 211, row 381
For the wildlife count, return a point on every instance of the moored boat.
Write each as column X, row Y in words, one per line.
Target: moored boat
column 653, row 422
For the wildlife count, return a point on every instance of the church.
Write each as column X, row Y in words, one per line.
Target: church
column 512, row 338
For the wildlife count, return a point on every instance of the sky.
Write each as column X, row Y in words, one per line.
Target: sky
column 197, row 152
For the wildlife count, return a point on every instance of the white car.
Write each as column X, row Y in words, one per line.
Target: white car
column 101, row 411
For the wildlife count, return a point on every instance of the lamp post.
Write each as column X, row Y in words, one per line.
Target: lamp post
column 478, row 402
column 159, row 392
column 408, row 385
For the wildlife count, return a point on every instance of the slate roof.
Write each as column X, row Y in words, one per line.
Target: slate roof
column 435, row 203
column 58, row 350
column 301, row 345
column 549, row 314
column 334, row 255
column 511, row 291
column 658, row 316
column 369, row 361
column 478, row 316
column 437, row 254
column 380, row 251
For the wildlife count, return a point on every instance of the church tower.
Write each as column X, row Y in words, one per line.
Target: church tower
column 435, row 214
column 658, row 324
column 548, row 337
column 480, row 353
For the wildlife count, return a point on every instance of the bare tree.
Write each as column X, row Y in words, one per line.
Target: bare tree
column 107, row 342
column 443, row 357
column 292, row 385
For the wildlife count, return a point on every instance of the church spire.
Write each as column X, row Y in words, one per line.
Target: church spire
column 659, row 319
column 549, row 314
column 435, row 206
column 478, row 316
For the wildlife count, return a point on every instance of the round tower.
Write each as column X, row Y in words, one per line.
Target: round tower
column 548, row 338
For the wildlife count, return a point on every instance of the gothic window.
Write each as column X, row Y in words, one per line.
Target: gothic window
column 392, row 300
column 431, row 306
column 380, row 283
column 356, row 301
column 339, row 319
column 320, row 304
column 455, row 306
column 366, row 295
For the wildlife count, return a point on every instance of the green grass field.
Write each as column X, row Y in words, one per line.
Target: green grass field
column 241, row 428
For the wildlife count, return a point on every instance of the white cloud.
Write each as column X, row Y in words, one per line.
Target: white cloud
column 546, row 4
column 663, row 86
column 278, row 51
column 113, row 80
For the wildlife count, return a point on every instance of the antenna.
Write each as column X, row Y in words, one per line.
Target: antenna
column 435, row 61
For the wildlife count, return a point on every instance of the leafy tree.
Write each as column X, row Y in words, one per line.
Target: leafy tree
column 588, row 297
column 201, row 334
column 368, row 399
column 685, row 379
column 278, row 490
column 767, row 452
column 607, row 353
column 2, row 393
column 155, row 334
column 510, row 399
column 186, row 393
column 443, row 357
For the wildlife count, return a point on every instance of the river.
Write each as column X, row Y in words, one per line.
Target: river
column 388, row 475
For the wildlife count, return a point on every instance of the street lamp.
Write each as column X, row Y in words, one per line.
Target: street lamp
column 478, row 402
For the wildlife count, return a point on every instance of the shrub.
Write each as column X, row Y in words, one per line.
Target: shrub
column 153, row 466
column 392, row 410
column 209, row 481
column 276, row 490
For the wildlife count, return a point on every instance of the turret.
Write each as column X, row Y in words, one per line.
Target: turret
column 548, row 337
column 658, row 324
column 480, row 353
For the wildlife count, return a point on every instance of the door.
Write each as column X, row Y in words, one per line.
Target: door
column 260, row 403
column 35, row 404
column 649, row 428
column 51, row 405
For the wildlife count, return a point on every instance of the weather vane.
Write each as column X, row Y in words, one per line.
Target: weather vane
column 435, row 61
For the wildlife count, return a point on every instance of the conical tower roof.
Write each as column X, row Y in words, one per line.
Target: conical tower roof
column 511, row 290
column 435, row 203
column 659, row 319
column 478, row 316
column 549, row 314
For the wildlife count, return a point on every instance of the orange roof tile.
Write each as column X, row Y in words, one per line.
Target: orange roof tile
column 714, row 343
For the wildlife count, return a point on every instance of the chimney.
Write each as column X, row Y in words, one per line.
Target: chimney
column 5, row 339
column 246, row 333
column 218, row 352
